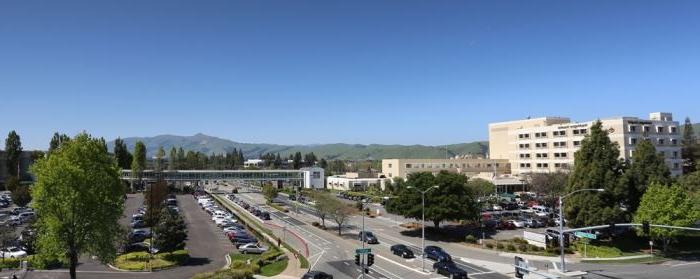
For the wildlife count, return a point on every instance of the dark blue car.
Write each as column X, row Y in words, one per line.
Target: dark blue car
column 437, row 254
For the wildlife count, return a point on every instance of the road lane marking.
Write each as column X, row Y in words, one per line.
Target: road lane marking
column 401, row 265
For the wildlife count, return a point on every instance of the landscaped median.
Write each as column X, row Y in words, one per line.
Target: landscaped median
column 270, row 263
column 139, row 261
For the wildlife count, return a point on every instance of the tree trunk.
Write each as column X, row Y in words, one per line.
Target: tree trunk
column 323, row 222
column 437, row 224
column 73, row 264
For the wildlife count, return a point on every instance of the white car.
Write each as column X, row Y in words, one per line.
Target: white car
column 497, row 207
column 13, row 252
column 517, row 223
column 253, row 248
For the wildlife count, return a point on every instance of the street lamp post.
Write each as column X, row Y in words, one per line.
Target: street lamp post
column 423, row 222
column 561, row 223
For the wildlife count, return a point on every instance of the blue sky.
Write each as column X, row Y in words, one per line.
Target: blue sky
column 303, row 72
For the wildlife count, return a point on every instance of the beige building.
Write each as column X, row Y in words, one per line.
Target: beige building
column 353, row 182
column 548, row 144
column 402, row 167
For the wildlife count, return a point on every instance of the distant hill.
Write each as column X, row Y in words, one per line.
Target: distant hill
column 213, row 145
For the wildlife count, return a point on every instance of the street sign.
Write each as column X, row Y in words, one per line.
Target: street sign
column 363, row 251
column 585, row 235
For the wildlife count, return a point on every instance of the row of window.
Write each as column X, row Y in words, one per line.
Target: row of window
column 557, row 144
column 659, row 141
column 544, row 155
column 647, row 129
column 451, row 165
column 544, row 165
column 554, row 133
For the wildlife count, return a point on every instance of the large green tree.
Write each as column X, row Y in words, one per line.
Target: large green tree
column 153, row 197
column 452, row 200
column 170, row 232
column 689, row 147
column 646, row 166
column 78, row 199
column 270, row 192
column 122, row 154
column 691, row 184
column 21, row 196
column 596, row 165
column 664, row 205
column 138, row 164
column 481, row 187
column 13, row 152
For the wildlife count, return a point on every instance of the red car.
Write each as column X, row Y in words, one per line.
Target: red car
column 505, row 225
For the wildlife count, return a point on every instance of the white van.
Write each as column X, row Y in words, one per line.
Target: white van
column 540, row 210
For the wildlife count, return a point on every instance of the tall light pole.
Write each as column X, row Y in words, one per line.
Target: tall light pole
column 363, row 237
column 561, row 223
column 423, row 222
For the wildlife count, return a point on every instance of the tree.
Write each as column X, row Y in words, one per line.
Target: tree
column 138, row 164
column 172, row 159
column 13, row 152
column 691, row 184
column 340, row 212
column 57, row 140
column 296, row 162
column 690, row 150
column 481, row 187
column 170, row 232
column 323, row 163
column 551, row 184
column 21, row 196
column 122, row 155
column 452, row 200
column 596, row 165
column 664, row 205
column 78, row 199
column 270, row 192
column 647, row 166
column 11, row 183
column 181, row 158
column 154, row 196
column 160, row 154
column 325, row 205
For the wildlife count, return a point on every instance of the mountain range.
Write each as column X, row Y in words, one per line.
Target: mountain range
column 214, row 145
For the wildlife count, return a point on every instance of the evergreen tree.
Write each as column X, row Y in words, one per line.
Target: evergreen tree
column 241, row 159
column 278, row 161
column 596, row 165
column 13, row 152
column 170, row 232
column 57, row 140
column 172, row 159
column 122, row 155
column 646, row 167
column 138, row 164
column 160, row 154
column 181, row 164
column 21, row 196
column 297, row 160
column 690, row 150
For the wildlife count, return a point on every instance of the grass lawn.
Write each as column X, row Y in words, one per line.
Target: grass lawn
column 140, row 260
column 274, row 268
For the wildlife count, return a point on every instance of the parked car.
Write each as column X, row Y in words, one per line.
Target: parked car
column 265, row 216
column 137, row 236
column 450, row 270
column 504, row 225
column 533, row 223
column 517, row 223
column 241, row 241
column 368, row 237
column 18, row 210
column 138, row 224
column 437, row 254
column 252, row 248
column 317, row 275
column 401, row 250
column 12, row 252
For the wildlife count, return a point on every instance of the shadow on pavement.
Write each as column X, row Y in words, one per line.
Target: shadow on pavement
column 197, row 261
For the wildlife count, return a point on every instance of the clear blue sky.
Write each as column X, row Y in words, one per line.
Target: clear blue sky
column 302, row 72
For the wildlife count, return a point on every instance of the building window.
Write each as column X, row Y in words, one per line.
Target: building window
column 541, row 155
column 660, row 129
column 661, row 141
column 577, row 143
column 389, row 165
column 646, row 129
column 524, row 146
column 675, row 154
column 674, row 130
column 390, row 175
column 633, row 141
column 559, row 133
column 524, row 136
column 408, row 166
column 559, row 144
column 674, row 142
column 676, row 166
column 541, row 135
column 525, row 165
column 632, row 128
column 541, row 145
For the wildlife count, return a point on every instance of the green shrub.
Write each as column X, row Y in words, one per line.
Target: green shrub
column 519, row 240
column 510, row 247
column 522, row 247
column 489, row 245
column 470, row 239
column 499, row 246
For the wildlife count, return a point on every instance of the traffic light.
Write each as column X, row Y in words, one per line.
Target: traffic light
column 370, row 259
column 357, row 259
column 645, row 227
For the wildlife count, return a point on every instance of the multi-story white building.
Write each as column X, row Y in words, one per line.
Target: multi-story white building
column 548, row 144
column 353, row 182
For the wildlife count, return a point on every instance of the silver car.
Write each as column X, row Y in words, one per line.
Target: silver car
column 252, row 248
